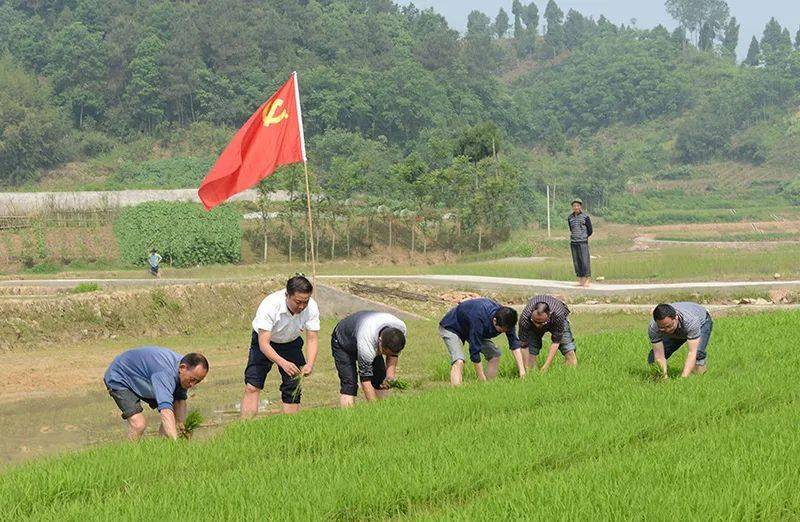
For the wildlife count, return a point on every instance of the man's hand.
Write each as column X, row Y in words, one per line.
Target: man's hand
column 385, row 385
column 289, row 367
column 307, row 370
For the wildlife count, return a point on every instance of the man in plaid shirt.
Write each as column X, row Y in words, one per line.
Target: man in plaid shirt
column 545, row 313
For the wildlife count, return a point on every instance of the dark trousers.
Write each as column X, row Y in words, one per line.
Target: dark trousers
column 581, row 259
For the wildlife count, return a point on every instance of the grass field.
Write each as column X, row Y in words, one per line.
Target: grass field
column 602, row 441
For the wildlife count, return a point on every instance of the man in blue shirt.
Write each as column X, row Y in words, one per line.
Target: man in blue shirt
column 477, row 321
column 159, row 377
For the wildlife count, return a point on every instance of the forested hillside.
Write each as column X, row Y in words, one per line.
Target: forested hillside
column 401, row 110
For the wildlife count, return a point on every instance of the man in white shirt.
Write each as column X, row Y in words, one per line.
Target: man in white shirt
column 276, row 339
column 365, row 348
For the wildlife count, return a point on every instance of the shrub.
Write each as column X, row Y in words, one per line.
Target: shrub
column 792, row 190
column 681, row 172
column 83, row 288
column 182, row 232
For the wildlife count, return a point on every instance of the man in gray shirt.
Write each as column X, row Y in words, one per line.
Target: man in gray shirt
column 580, row 230
column 366, row 346
column 676, row 324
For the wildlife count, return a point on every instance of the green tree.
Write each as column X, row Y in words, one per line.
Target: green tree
column 731, row 39
column 143, row 96
column 516, row 10
column 530, row 17
column 479, row 142
column 678, row 37
column 555, row 139
column 776, row 44
column 797, row 40
column 77, row 66
column 577, row 29
column 707, row 36
column 694, row 14
column 478, row 24
column 501, row 24
column 32, row 127
column 753, row 53
column 554, row 37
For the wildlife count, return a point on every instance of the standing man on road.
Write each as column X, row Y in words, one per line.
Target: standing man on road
column 159, row 377
column 477, row 321
column 580, row 230
column 545, row 313
column 154, row 260
column 276, row 339
column 676, row 324
column 366, row 346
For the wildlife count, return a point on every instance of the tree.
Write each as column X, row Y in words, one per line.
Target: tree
column 577, row 29
column 555, row 139
column 678, row 37
column 77, row 66
column 707, row 36
column 797, row 40
column 694, row 14
column 530, row 16
column 501, row 24
column 32, row 127
column 554, row 37
column 776, row 44
column 478, row 142
column 753, row 53
column 516, row 10
column 731, row 39
column 143, row 95
column 478, row 24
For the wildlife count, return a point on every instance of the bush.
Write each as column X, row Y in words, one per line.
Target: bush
column 750, row 149
column 83, row 288
column 792, row 190
column 182, row 232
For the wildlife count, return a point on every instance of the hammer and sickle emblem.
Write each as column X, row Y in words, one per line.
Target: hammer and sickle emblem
column 270, row 113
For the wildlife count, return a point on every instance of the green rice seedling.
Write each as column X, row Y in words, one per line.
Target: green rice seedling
column 399, row 384
column 193, row 421
column 598, row 429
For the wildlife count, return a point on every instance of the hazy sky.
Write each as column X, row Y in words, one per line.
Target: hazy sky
column 752, row 15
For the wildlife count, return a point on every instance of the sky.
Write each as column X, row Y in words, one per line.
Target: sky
column 751, row 15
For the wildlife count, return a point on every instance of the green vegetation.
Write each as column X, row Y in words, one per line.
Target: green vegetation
column 620, row 436
column 183, row 233
column 83, row 288
column 193, row 421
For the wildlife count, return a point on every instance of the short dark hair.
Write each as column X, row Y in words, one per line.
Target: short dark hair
column 663, row 311
column 393, row 339
column 193, row 359
column 541, row 307
column 153, row 251
column 299, row 284
column 506, row 317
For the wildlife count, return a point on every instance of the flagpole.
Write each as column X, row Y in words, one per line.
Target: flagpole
column 310, row 230
column 308, row 188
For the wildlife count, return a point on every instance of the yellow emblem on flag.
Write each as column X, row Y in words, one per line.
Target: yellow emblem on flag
column 270, row 116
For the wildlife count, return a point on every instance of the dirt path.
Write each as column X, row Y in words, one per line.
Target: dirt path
column 544, row 285
column 645, row 240
column 539, row 285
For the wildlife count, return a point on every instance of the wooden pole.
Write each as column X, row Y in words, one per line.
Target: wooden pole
column 548, row 210
column 311, row 231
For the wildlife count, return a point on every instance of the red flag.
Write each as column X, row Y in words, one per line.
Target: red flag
column 272, row 137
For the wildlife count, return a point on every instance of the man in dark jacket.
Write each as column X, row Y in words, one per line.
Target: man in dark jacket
column 580, row 230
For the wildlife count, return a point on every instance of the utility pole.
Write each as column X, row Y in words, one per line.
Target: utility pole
column 548, row 210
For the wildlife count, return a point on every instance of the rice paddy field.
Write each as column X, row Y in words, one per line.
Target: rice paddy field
column 603, row 441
